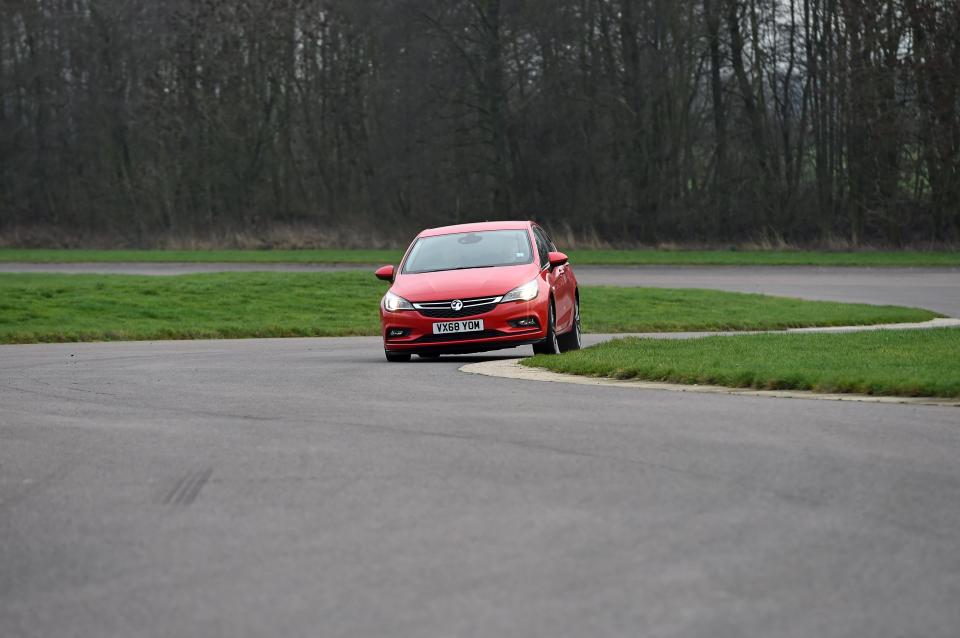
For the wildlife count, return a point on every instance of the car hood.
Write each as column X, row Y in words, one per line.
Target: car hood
column 462, row 284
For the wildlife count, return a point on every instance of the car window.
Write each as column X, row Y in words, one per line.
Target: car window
column 552, row 246
column 457, row 251
column 543, row 246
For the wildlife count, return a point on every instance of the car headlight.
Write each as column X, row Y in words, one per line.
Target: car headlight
column 526, row 292
column 393, row 303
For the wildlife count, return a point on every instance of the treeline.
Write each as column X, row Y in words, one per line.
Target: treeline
column 625, row 120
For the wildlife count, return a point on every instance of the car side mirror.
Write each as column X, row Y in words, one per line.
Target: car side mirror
column 385, row 273
column 557, row 259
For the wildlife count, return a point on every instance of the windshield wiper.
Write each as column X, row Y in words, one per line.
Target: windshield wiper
column 423, row 272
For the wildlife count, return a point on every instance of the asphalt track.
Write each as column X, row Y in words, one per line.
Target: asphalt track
column 305, row 487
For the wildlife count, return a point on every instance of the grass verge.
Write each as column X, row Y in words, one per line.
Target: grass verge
column 613, row 309
column 47, row 307
column 305, row 256
column 882, row 362
column 585, row 257
column 766, row 258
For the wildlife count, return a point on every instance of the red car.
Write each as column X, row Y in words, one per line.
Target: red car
column 478, row 287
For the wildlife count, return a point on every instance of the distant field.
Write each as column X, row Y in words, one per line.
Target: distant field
column 323, row 256
column 764, row 258
column 883, row 362
column 599, row 257
column 43, row 308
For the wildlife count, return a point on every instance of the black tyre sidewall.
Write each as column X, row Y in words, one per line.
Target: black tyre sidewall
column 571, row 340
column 550, row 343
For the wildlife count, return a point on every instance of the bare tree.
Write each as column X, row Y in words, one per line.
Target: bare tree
column 627, row 120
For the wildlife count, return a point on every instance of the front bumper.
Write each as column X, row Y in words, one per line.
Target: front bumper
column 498, row 331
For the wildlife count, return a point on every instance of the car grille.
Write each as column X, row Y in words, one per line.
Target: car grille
column 460, row 336
column 471, row 307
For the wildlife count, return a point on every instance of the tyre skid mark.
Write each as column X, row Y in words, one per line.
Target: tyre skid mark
column 188, row 487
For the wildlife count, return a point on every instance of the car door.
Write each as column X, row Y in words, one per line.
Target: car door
column 560, row 283
column 568, row 296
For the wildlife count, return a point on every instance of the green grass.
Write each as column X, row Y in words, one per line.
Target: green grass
column 885, row 362
column 48, row 307
column 585, row 257
column 36, row 308
column 319, row 256
column 611, row 309
column 765, row 258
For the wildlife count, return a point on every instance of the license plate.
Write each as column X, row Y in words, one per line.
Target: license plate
column 469, row 325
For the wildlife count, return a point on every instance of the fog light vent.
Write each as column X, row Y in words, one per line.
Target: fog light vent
column 524, row 322
column 395, row 333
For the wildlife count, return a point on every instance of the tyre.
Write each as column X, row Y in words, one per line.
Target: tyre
column 549, row 344
column 571, row 340
column 396, row 357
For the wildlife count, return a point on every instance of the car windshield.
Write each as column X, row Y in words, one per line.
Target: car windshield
column 457, row 251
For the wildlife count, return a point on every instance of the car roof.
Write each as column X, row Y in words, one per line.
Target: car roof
column 475, row 227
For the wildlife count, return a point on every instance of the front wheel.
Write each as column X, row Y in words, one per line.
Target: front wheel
column 549, row 345
column 396, row 357
column 571, row 340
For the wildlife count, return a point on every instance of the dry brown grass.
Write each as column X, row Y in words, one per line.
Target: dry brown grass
column 273, row 237
column 294, row 236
